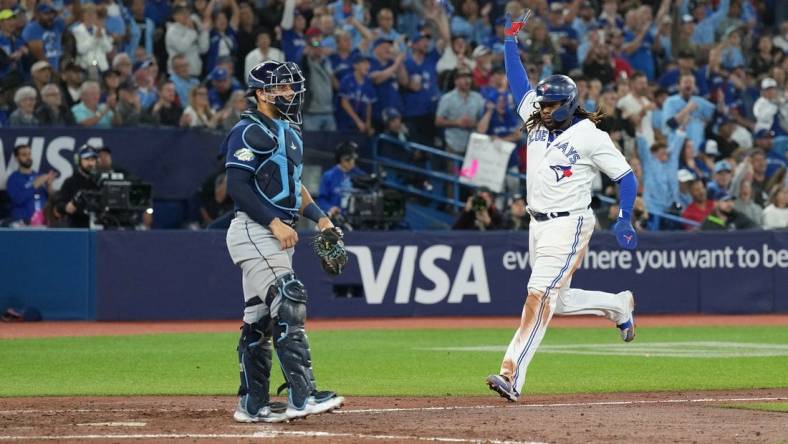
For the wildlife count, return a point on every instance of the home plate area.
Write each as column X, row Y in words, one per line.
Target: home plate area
column 641, row 417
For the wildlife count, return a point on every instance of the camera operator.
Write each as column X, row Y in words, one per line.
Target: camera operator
column 70, row 200
column 516, row 217
column 480, row 213
column 335, row 184
column 104, row 162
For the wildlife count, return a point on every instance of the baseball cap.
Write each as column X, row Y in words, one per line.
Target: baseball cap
column 557, row 7
column 219, row 74
column 390, row 113
column 763, row 133
column 142, row 64
column 768, row 82
column 103, row 148
column 710, row 148
column 418, row 36
column 45, row 8
column 381, row 41
column 480, row 51
column 515, row 197
column 86, row 151
column 6, row 14
column 463, row 71
column 722, row 165
column 312, row 32
column 39, row 65
column 358, row 58
column 724, row 195
column 685, row 175
column 686, row 18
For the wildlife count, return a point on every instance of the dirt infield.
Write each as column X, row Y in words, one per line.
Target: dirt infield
column 81, row 328
column 701, row 417
column 632, row 417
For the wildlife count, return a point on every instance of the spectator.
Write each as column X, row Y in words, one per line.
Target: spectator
column 766, row 56
column 319, row 98
column 356, row 96
column 516, row 218
column 760, row 193
column 479, row 213
column 25, row 100
column 482, row 62
column 158, row 11
column 775, row 160
column 141, row 31
column 188, row 37
column 455, row 55
column 421, row 94
column 731, row 53
column 499, row 120
column 775, row 216
column 563, row 34
column 609, row 17
column 293, row 26
column 214, row 200
column 123, row 65
column 223, row 39
column 327, row 27
column 129, row 111
column 542, row 50
column 585, row 21
column 111, row 85
column 263, row 51
column 687, row 109
column 13, row 48
column 145, row 80
column 385, row 29
column 345, row 11
column 660, row 169
column 703, row 34
column 723, row 173
column 387, row 72
column 702, row 165
column 686, row 65
column 221, row 88
column 71, row 202
column 781, row 40
column 639, row 41
column 725, row 217
column 199, row 113
column 599, row 65
column 167, row 111
column 28, row 190
column 41, row 74
column 458, row 112
column 771, row 110
column 746, row 206
column 471, row 23
column 88, row 112
column 93, row 41
column 51, row 111
column 231, row 113
column 342, row 60
column 622, row 69
column 44, row 34
column 700, row 207
column 637, row 107
column 685, row 178
column 180, row 77
column 335, row 184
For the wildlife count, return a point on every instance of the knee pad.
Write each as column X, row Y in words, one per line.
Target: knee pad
column 292, row 345
column 254, row 357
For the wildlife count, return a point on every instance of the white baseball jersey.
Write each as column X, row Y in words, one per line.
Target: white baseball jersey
column 560, row 171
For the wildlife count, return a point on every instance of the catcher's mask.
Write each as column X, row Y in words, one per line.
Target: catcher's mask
column 283, row 85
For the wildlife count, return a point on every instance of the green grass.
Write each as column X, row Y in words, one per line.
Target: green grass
column 764, row 406
column 377, row 362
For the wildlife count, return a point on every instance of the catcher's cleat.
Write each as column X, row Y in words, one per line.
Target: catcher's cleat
column 627, row 329
column 501, row 385
column 318, row 402
column 272, row 412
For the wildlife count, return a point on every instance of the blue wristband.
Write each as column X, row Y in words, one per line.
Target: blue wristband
column 313, row 212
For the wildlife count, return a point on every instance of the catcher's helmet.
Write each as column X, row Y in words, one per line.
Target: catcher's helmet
column 558, row 88
column 270, row 74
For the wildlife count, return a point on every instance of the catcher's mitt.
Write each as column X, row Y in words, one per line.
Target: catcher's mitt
column 330, row 248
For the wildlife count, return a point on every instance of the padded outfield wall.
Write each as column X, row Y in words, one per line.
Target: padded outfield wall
column 157, row 275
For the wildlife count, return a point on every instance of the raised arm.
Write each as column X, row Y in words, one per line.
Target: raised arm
column 515, row 71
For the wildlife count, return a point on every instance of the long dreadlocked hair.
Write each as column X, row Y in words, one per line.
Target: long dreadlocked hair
column 595, row 117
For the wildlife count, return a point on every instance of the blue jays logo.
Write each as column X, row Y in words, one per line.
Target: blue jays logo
column 561, row 171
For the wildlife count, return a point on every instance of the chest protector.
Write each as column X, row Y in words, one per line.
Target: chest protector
column 278, row 177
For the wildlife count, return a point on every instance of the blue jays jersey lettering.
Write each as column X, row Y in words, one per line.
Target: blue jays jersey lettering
column 273, row 151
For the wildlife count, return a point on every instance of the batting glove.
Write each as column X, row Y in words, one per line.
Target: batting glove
column 513, row 27
column 625, row 234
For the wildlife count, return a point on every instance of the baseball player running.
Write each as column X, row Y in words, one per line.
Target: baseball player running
column 264, row 152
column 565, row 150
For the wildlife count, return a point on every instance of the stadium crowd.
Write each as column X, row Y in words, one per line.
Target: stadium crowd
column 695, row 91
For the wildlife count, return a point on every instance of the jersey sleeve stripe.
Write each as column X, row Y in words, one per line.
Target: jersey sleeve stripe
column 622, row 175
column 239, row 165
